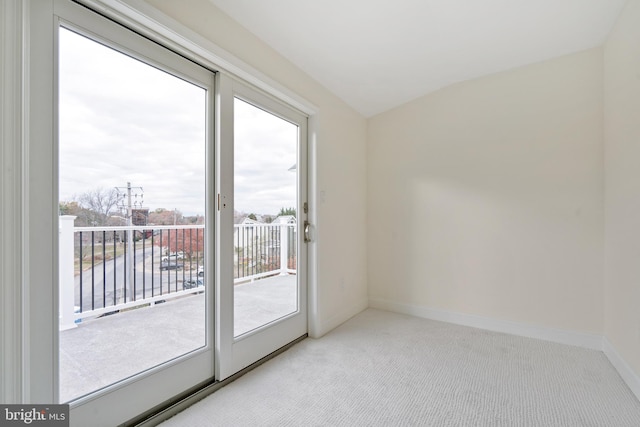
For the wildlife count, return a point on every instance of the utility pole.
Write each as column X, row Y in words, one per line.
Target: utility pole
column 129, row 206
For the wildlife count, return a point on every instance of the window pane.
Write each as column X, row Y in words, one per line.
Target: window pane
column 265, row 200
column 132, row 173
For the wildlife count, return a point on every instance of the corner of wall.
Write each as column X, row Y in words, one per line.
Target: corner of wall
column 629, row 376
column 621, row 295
column 340, row 316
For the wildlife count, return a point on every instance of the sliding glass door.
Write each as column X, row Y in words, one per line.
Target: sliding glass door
column 135, row 160
column 167, row 218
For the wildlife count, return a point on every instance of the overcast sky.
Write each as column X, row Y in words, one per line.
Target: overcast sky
column 264, row 151
column 124, row 121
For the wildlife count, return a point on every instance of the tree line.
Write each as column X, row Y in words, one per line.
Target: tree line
column 99, row 207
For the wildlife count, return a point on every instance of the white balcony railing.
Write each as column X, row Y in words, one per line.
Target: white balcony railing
column 104, row 270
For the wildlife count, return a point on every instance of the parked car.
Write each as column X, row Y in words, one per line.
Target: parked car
column 167, row 265
column 175, row 256
column 200, row 271
column 190, row 284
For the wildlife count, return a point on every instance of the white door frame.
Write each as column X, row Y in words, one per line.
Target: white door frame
column 26, row 381
column 12, row 102
column 236, row 353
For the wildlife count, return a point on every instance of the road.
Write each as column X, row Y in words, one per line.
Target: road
column 98, row 282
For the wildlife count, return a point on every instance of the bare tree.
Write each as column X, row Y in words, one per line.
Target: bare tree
column 98, row 204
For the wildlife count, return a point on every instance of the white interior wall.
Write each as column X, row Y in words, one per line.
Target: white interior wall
column 486, row 198
column 622, row 186
column 340, row 155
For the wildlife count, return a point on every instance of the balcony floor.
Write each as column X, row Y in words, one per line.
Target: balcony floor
column 105, row 350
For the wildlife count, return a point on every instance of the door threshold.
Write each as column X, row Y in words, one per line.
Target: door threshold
column 168, row 409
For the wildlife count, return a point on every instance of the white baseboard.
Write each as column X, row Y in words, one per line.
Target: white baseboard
column 580, row 339
column 625, row 371
column 326, row 325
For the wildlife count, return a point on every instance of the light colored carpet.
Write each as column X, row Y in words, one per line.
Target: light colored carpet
column 386, row 369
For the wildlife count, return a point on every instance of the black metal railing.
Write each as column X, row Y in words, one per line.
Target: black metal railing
column 118, row 265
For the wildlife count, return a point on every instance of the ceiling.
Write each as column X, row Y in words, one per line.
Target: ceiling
column 378, row 54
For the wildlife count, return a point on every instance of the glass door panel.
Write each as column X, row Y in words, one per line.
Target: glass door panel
column 262, row 300
column 265, row 232
column 133, row 168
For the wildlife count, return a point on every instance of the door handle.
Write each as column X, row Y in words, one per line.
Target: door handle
column 307, row 232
